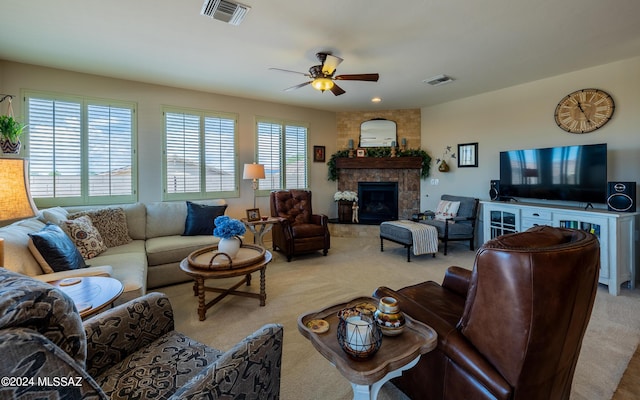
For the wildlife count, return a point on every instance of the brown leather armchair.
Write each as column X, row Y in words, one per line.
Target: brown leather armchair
column 510, row 329
column 299, row 231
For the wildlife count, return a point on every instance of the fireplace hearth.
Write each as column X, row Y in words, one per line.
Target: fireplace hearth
column 378, row 202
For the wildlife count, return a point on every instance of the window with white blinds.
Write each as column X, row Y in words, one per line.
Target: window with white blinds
column 200, row 155
column 282, row 149
column 80, row 151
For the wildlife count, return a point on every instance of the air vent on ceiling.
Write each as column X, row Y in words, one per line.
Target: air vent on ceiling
column 225, row 10
column 439, row 80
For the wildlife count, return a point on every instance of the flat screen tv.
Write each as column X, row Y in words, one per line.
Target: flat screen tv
column 568, row 173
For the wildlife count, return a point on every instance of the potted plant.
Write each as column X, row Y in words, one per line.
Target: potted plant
column 10, row 132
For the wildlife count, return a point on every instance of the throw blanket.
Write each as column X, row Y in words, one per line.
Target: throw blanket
column 425, row 237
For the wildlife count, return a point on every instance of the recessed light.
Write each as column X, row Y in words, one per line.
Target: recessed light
column 376, row 100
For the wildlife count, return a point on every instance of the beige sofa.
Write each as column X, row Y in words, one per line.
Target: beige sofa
column 151, row 260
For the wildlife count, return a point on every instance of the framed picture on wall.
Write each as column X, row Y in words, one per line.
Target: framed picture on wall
column 468, row 155
column 318, row 153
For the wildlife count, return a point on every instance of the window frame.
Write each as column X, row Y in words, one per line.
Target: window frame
column 203, row 193
column 283, row 146
column 84, row 103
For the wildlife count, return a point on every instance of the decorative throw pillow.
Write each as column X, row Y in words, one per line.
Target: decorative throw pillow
column 56, row 249
column 200, row 218
column 55, row 215
column 110, row 222
column 447, row 209
column 85, row 236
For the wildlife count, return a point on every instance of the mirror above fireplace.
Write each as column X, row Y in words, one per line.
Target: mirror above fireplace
column 378, row 133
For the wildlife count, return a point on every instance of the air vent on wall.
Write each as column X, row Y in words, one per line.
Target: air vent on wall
column 225, row 10
column 439, row 80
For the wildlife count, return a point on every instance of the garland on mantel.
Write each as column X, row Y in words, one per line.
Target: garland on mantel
column 381, row 152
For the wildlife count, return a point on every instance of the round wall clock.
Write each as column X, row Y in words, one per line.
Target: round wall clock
column 584, row 110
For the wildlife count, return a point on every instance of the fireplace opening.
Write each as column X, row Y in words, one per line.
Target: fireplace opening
column 377, row 202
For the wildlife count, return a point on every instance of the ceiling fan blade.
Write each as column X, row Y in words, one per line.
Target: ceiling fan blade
column 287, row 70
column 358, row 77
column 337, row 90
column 296, row 86
column 330, row 64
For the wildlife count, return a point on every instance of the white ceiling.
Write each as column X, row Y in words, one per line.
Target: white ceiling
column 484, row 45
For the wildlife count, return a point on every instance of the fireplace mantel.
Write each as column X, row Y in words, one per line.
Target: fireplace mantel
column 379, row 162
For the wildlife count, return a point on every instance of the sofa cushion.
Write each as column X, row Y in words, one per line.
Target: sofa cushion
column 129, row 267
column 57, row 249
column 110, row 222
column 307, row 230
column 159, row 369
column 167, row 218
column 200, row 218
column 17, row 256
column 173, row 249
column 85, row 236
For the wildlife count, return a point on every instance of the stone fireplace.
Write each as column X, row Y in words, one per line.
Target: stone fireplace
column 401, row 172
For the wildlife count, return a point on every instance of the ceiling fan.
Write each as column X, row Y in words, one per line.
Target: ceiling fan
column 322, row 76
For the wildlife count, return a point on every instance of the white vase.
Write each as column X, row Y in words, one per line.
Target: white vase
column 230, row 246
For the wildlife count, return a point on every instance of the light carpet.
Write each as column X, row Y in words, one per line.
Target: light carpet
column 629, row 386
column 356, row 267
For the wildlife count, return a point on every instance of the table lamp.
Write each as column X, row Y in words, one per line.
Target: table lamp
column 15, row 199
column 254, row 172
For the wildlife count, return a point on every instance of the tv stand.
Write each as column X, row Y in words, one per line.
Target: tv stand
column 615, row 231
column 588, row 205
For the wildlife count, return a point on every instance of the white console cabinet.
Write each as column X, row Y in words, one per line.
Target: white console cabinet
column 615, row 231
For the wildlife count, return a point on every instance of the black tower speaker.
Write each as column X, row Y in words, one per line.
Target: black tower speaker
column 494, row 190
column 621, row 196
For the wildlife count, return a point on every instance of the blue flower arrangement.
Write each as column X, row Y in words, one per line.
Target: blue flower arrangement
column 227, row 228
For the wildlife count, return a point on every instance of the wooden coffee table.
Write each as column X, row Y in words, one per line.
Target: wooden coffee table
column 200, row 275
column 91, row 294
column 396, row 354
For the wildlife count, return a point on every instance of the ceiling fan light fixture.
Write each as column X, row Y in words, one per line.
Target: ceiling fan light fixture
column 322, row 84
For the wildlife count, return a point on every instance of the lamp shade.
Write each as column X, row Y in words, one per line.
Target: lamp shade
column 15, row 199
column 253, row 171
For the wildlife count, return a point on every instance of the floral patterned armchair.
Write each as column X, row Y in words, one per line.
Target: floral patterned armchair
column 128, row 352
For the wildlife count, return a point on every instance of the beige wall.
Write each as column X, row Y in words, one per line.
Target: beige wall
column 516, row 117
column 150, row 99
column 522, row 117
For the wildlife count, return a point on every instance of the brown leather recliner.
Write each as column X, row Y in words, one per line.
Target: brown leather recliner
column 510, row 329
column 299, row 231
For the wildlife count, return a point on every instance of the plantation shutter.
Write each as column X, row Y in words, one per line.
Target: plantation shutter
column 110, row 150
column 295, row 157
column 282, row 149
column 55, row 148
column 200, row 155
column 182, row 153
column 269, row 152
column 220, row 162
